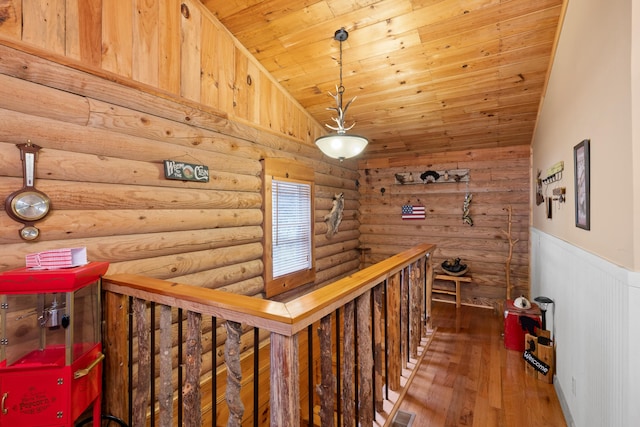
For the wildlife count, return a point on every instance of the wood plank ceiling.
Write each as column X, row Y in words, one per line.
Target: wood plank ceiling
column 429, row 75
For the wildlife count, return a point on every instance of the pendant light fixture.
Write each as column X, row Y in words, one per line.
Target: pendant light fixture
column 341, row 145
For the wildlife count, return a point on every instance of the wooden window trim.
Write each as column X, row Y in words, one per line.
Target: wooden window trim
column 285, row 170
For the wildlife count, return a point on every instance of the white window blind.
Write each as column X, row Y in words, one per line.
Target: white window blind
column 291, row 227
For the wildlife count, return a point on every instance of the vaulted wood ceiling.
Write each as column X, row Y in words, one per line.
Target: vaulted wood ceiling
column 429, row 75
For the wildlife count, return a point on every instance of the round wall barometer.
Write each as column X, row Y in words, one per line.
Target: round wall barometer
column 28, row 204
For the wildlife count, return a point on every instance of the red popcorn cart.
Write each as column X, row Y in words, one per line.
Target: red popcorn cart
column 50, row 345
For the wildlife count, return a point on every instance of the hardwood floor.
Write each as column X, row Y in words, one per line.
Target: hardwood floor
column 468, row 378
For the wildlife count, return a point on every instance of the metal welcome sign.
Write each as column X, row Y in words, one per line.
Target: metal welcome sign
column 185, row 171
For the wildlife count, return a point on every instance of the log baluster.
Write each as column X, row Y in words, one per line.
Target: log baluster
column 415, row 291
column 378, row 320
column 152, row 358
column 365, row 359
column 193, row 365
column 234, row 373
column 256, row 377
column 141, row 400
column 404, row 318
column 429, row 287
column 338, row 376
column 214, row 362
column 310, row 372
column 180, row 365
column 348, row 366
column 165, row 393
column 393, row 330
column 326, row 386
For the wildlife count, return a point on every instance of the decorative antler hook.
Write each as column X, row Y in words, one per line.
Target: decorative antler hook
column 340, row 111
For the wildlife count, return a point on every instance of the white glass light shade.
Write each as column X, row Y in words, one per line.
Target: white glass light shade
column 341, row 145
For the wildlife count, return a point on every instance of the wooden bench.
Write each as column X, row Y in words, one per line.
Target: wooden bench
column 457, row 280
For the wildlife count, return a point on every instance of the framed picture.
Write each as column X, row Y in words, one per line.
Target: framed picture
column 581, row 168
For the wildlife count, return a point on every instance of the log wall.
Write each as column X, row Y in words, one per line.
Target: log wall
column 111, row 89
column 498, row 178
column 109, row 94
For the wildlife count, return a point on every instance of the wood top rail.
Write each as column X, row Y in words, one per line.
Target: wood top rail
column 283, row 318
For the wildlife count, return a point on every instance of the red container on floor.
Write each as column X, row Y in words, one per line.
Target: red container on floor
column 514, row 331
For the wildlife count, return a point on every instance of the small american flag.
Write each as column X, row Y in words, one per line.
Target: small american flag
column 412, row 212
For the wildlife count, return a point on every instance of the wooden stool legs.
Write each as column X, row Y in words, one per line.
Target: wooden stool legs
column 457, row 280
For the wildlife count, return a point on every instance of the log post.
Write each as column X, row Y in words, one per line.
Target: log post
column 365, row 359
column 234, row 373
column 191, row 398
column 325, row 388
column 116, row 387
column 285, row 384
column 141, row 398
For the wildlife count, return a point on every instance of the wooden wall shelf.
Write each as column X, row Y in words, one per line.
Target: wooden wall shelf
column 432, row 177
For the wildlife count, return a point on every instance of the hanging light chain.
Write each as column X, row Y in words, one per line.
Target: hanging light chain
column 341, row 87
column 340, row 35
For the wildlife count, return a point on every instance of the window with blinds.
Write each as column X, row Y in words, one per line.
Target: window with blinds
column 290, row 227
column 289, row 217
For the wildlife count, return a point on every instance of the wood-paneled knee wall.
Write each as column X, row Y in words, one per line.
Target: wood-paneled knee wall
column 177, row 46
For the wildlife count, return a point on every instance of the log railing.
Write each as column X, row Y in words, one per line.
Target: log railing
column 166, row 366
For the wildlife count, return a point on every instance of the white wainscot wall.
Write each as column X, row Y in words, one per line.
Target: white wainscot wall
column 596, row 323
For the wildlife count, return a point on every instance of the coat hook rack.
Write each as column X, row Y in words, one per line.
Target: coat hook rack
column 557, row 176
column 554, row 173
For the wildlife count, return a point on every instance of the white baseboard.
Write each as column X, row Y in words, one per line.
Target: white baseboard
column 563, row 403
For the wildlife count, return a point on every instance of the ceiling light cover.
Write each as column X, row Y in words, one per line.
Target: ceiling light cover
column 341, row 145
